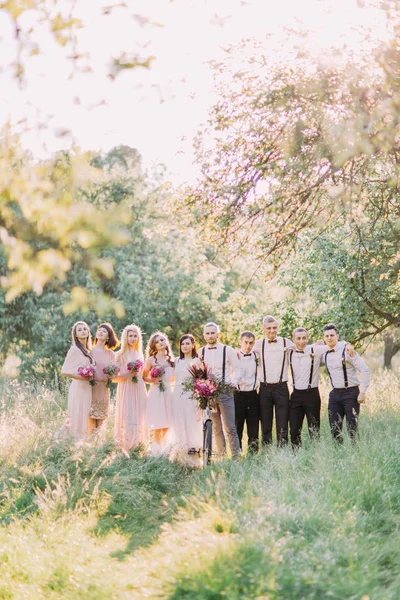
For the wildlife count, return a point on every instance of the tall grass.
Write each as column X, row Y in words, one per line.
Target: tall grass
column 85, row 521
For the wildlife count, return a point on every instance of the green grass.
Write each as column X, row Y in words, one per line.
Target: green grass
column 85, row 521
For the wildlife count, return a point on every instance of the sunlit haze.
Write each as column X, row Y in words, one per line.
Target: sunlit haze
column 157, row 110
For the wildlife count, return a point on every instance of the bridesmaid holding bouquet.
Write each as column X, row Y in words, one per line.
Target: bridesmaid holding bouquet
column 159, row 372
column 104, row 344
column 79, row 366
column 130, row 411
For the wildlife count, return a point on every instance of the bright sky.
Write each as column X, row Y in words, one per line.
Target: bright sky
column 158, row 110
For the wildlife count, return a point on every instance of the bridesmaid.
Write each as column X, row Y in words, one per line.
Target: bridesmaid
column 80, row 390
column 159, row 354
column 104, row 344
column 130, row 410
column 186, row 417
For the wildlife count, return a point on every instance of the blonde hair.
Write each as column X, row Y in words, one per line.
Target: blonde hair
column 124, row 340
column 151, row 349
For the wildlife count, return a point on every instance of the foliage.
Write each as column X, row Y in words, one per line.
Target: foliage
column 293, row 150
column 162, row 278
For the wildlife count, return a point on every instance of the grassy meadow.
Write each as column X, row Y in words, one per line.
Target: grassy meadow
column 85, row 521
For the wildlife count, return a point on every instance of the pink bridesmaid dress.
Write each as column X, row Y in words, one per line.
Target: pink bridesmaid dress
column 130, row 428
column 79, row 395
column 159, row 403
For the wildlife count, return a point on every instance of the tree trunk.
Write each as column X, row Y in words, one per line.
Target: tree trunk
column 392, row 346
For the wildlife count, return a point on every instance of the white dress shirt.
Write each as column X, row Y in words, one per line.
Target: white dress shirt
column 275, row 355
column 355, row 365
column 301, row 364
column 213, row 357
column 249, row 380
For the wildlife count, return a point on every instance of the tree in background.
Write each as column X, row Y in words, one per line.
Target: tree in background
column 162, row 277
column 299, row 155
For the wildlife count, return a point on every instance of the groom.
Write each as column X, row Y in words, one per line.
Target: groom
column 224, row 364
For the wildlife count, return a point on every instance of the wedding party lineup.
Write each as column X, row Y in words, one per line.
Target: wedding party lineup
column 160, row 398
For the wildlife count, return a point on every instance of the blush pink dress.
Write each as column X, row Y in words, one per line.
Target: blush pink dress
column 159, row 403
column 79, row 394
column 130, row 427
column 101, row 393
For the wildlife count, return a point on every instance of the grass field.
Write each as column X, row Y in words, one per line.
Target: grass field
column 85, row 521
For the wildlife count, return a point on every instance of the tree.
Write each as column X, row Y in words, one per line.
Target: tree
column 293, row 148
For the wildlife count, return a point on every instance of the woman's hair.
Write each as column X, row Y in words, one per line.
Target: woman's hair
column 124, row 340
column 88, row 345
column 112, row 340
column 151, row 349
column 187, row 336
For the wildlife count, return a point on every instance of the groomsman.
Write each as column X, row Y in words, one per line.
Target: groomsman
column 273, row 374
column 247, row 404
column 224, row 364
column 305, row 401
column 347, row 394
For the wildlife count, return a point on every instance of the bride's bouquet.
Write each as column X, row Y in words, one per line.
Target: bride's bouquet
column 156, row 373
column 204, row 387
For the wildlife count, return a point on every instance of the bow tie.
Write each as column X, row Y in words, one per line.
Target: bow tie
column 247, row 354
column 272, row 341
column 300, row 351
column 329, row 351
column 211, row 347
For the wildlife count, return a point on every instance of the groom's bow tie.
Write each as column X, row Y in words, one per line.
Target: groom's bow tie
column 300, row 351
column 272, row 341
column 249, row 354
column 329, row 351
column 211, row 347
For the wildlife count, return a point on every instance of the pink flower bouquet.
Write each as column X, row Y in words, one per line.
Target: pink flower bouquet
column 135, row 366
column 158, row 372
column 87, row 373
column 111, row 371
column 204, row 387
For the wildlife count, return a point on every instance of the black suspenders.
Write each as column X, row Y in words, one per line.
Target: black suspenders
column 311, row 368
column 263, row 360
column 346, row 380
column 255, row 376
column 223, row 360
column 283, row 361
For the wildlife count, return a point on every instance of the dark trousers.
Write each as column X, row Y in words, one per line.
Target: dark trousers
column 274, row 395
column 247, row 410
column 343, row 403
column 304, row 403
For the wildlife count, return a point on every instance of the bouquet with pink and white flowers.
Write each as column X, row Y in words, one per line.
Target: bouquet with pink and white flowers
column 158, row 372
column 111, row 372
column 204, row 387
column 88, row 374
column 135, row 366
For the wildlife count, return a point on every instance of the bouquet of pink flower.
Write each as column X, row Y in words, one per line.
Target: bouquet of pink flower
column 204, row 387
column 111, row 371
column 158, row 371
column 135, row 366
column 87, row 373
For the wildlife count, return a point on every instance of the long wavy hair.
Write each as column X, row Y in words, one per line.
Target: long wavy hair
column 187, row 336
column 151, row 349
column 112, row 341
column 124, row 341
column 85, row 349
